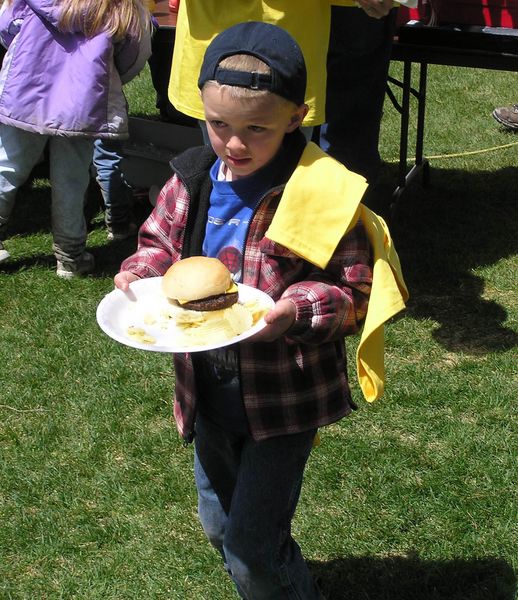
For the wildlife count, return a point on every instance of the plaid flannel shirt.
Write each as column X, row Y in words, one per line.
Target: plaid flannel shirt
column 299, row 381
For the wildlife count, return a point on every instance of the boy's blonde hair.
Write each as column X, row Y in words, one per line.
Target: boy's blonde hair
column 117, row 18
column 247, row 63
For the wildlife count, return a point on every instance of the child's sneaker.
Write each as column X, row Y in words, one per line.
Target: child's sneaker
column 4, row 255
column 83, row 265
column 117, row 234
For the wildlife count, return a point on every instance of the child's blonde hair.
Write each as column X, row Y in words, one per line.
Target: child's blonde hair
column 117, row 18
column 247, row 63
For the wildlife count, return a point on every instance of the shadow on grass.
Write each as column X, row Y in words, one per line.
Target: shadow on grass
column 409, row 578
column 460, row 222
column 107, row 259
column 32, row 216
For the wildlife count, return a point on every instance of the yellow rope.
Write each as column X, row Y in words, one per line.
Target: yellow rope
column 470, row 153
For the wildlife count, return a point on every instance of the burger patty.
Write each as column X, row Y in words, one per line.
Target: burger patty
column 217, row 302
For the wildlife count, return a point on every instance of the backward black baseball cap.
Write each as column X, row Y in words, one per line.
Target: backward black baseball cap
column 271, row 44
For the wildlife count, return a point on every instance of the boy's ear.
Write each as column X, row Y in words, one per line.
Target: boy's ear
column 297, row 117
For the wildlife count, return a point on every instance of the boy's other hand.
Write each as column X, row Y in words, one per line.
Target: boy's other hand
column 278, row 321
column 376, row 8
column 123, row 279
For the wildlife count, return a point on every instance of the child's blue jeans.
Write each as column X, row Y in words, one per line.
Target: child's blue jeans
column 247, row 495
column 116, row 193
column 70, row 159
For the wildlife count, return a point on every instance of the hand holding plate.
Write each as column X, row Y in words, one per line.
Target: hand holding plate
column 278, row 321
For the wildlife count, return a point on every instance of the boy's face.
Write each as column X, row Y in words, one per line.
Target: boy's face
column 247, row 133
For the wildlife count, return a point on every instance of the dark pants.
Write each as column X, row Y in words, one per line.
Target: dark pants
column 160, row 61
column 357, row 69
column 247, row 495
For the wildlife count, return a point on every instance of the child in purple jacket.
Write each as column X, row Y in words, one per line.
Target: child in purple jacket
column 253, row 408
column 61, row 84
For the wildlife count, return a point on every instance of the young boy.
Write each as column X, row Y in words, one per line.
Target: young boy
column 253, row 409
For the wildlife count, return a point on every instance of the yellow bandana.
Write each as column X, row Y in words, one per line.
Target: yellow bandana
column 320, row 204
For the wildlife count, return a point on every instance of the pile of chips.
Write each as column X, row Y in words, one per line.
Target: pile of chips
column 192, row 328
column 203, row 328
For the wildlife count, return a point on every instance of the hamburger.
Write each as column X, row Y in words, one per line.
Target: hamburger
column 200, row 283
column 203, row 302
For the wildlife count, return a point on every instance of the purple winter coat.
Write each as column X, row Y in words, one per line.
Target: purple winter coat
column 64, row 84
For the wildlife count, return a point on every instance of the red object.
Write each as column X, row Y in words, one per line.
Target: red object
column 173, row 5
column 493, row 13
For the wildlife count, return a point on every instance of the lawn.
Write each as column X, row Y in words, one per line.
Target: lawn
column 412, row 498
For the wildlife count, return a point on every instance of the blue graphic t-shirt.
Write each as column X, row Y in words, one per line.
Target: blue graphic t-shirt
column 232, row 204
column 231, row 207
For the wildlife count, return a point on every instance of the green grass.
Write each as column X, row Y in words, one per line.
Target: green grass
column 413, row 497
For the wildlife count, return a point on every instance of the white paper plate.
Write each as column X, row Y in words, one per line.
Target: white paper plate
column 145, row 301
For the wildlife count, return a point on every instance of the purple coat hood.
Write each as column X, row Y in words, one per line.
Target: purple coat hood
column 65, row 84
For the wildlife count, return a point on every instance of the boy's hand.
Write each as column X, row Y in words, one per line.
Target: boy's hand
column 123, row 279
column 376, row 8
column 278, row 321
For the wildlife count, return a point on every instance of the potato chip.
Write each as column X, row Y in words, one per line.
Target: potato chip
column 239, row 318
column 257, row 309
column 133, row 331
column 140, row 335
column 182, row 316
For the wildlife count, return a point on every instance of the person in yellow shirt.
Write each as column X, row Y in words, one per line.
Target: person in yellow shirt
column 199, row 21
column 352, row 38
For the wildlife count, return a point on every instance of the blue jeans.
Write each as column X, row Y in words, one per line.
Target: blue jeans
column 70, row 159
column 357, row 67
column 116, row 193
column 247, row 495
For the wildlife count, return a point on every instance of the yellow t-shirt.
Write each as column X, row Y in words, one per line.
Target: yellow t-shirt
column 199, row 21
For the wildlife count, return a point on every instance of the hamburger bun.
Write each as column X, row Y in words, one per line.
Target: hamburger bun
column 200, row 283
